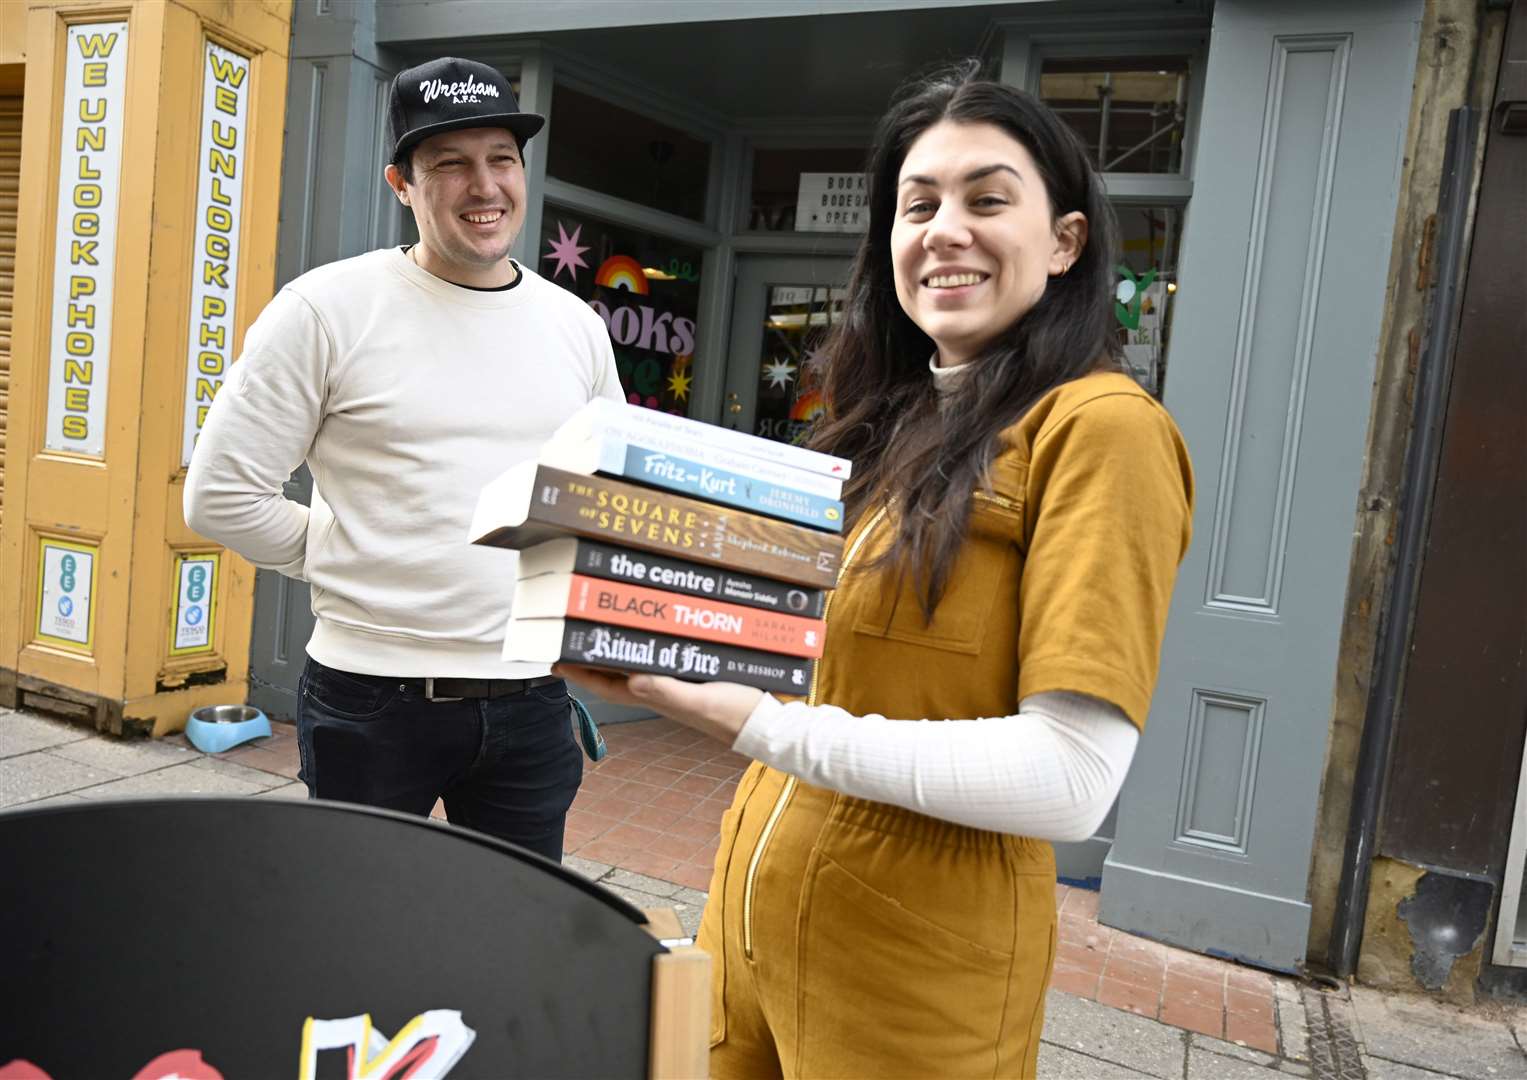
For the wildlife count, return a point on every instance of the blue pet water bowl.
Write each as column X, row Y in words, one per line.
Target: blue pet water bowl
column 215, row 728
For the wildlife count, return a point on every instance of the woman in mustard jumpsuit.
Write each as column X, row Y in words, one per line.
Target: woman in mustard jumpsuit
column 883, row 897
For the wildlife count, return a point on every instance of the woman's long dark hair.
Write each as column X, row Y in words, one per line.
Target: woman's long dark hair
column 882, row 407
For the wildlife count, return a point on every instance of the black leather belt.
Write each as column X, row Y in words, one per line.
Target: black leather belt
column 456, row 689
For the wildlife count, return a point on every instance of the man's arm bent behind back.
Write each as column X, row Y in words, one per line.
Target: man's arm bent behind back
column 259, row 429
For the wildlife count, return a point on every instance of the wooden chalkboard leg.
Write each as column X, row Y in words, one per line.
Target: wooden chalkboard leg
column 680, row 1006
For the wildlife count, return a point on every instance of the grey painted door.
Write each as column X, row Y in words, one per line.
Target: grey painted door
column 1278, row 315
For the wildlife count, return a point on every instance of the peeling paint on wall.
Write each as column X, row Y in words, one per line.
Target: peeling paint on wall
column 1446, row 917
column 1424, row 931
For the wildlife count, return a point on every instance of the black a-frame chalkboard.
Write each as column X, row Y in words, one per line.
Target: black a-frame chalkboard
column 275, row 938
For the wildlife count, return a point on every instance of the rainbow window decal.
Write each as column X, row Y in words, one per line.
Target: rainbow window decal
column 621, row 272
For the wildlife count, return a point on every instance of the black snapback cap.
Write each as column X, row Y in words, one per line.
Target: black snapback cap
column 449, row 94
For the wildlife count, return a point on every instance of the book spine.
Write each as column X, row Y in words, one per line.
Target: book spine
column 628, row 419
column 685, row 616
column 671, row 524
column 613, row 442
column 675, row 575
column 648, row 466
column 599, row 645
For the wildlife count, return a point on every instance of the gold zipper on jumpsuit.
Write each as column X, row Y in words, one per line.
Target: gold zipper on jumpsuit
column 999, row 500
column 789, row 788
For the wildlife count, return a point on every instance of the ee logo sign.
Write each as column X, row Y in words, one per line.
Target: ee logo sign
column 197, row 588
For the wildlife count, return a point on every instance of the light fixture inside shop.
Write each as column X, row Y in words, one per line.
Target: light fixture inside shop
column 657, row 275
column 1171, row 286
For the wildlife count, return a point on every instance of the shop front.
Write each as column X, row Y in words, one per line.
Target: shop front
column 697, row 185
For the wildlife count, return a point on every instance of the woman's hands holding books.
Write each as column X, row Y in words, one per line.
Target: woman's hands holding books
column 717, row 709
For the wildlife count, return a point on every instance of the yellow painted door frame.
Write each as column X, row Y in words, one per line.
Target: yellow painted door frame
column 148, row 213
column 10, row 188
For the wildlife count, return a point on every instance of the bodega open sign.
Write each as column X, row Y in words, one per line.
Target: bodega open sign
column 831, row 202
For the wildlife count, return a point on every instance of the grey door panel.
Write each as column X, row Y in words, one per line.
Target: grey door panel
column 1273, row 354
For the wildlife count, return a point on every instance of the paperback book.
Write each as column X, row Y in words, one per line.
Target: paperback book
column 532, row 502
column 577, row 597
column 632, row 423
column 577, row 641
column 577, row 447
column 690, row 475
column 579, row 555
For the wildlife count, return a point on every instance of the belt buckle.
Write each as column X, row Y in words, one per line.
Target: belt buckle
column 429, row 692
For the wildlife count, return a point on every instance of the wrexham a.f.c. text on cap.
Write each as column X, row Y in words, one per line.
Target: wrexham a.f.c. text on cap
column 449, row 94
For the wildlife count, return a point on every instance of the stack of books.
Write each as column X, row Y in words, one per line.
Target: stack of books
column 654, row 543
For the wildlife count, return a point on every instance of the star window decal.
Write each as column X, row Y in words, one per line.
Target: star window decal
column 678, row 384
column 779, row 373
column 568, row 253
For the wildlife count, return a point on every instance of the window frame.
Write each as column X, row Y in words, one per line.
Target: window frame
column 1023, row 57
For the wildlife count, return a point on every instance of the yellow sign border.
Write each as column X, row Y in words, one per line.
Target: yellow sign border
column 94, row 551
column 181, row 558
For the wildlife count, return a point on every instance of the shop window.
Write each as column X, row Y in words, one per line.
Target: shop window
column 777, row 182
column 1151, row 239
column 1131, row 112
column 604, row 147
column 645, row 287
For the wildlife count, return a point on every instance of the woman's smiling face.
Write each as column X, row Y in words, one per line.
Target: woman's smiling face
column 973, row 242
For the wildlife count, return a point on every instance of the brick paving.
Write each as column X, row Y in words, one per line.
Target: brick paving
column 1184, row 989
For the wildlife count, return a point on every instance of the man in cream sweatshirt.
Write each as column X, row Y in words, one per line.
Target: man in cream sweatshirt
column 407, row 379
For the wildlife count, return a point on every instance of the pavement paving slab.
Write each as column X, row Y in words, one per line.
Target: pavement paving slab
column 124, row 757
column 185, row 779
column 285, row 791
column 23, row 733
column 1230, row 1049
column 1430, row 1035
column 587, row 867
column 51, row 800
column 1112, row 1035
column 1062, row 1064
column 37, row 775
column 639, row 882
column 1207, row 1065
column 1379, row 1069
column 1293, row 1031
column 264, row 781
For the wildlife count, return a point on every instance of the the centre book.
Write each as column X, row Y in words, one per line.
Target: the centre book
column 651, row 543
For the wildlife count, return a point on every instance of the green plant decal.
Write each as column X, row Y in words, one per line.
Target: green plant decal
column 1126, row 305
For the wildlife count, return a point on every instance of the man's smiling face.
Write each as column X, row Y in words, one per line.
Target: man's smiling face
column 468, row 198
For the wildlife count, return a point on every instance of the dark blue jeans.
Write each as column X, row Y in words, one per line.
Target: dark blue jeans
column 508, row 767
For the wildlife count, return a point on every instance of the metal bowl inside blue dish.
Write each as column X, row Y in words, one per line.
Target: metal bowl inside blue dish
column 215, row 728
